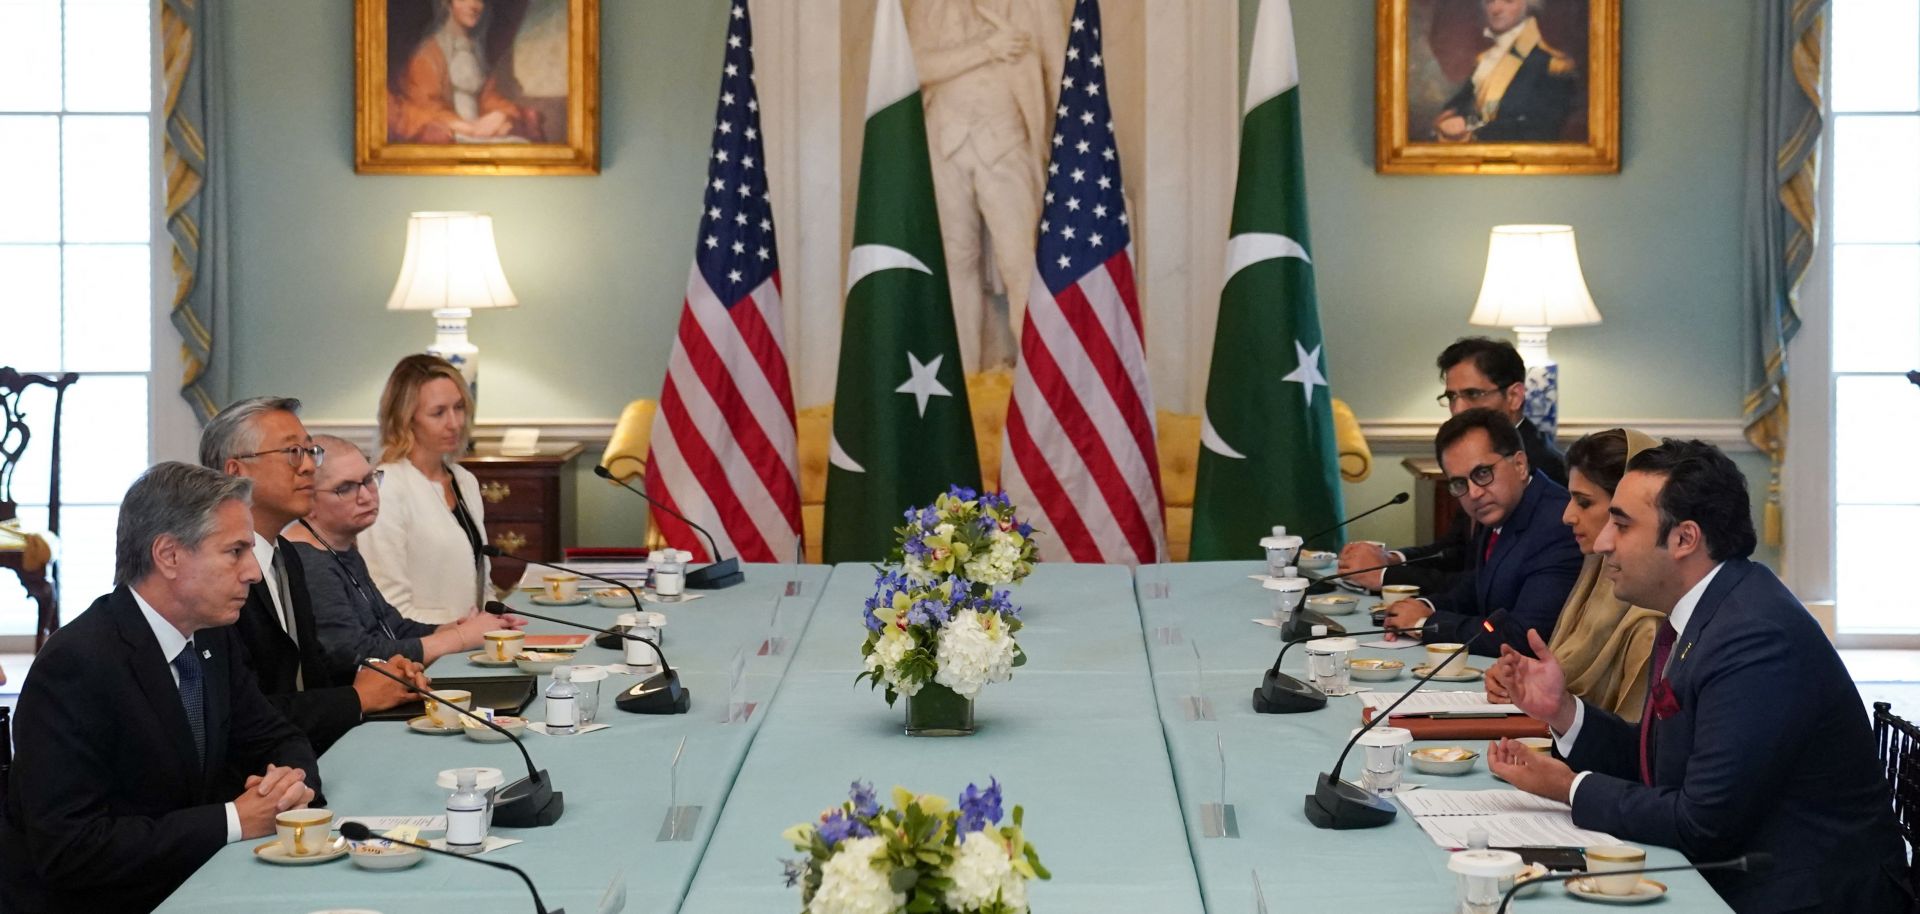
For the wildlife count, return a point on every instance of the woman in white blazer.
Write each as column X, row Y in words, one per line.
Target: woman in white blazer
column 424, row 551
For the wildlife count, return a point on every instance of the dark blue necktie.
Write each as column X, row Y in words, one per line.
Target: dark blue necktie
column 187, row 664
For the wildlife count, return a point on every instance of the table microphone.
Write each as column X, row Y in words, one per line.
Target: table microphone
column 660, row 693
column 1338, row 804
column 1280, row 693
column 526, row 803
column 358, row 831
column 1301, row 619
column 1747, row 863
column 1399, row 499
column 721, row 573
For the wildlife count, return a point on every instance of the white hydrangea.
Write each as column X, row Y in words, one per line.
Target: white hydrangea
column 970, row 656
column 981, row 873
column 998, row 564
column 888, row 651
column 851, row 884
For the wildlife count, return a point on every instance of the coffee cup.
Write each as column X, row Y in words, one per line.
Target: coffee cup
column 440, row 707
column 562, row 588
column 1394, row 593
column 303, row 832
column 504, row 644
column 1612, row 858
column 1444, row 659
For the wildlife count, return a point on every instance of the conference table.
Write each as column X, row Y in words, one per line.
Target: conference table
column 1097, row 736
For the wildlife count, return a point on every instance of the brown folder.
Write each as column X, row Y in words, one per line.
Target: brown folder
column 1458, row 728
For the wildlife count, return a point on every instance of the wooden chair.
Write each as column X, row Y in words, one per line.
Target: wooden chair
column 1899, row 744
column 41, row 580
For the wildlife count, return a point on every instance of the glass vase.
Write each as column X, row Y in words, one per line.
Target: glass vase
column 939, row 711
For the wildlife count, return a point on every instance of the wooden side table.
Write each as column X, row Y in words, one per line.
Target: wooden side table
column 1435, row 510
column 526, row 503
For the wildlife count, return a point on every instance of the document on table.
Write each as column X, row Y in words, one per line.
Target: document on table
column 1424, row 704
column 631, row 572
column 1509, row 817
column 382, row 824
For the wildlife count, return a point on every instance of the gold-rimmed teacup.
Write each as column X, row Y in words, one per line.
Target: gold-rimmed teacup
column 303, row 832
column 440, row 707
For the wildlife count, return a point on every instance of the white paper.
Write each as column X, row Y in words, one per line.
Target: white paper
column 494, row 843
column 1399, row 644
column 1426, row 703
column 1511, row 818
column 380, row 824
column 541, row 728
column 1480, row 803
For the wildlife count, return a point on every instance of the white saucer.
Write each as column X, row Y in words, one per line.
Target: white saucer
column 1585, row 890
column 1472, row 673
column 424, row 724
column 481, row 734
column 616, row 599
column 272, row 852
column 382, row 854
column 480, row 658
column 544, row 600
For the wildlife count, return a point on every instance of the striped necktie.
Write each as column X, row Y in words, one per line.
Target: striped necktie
column 1657, row 676
column 187, row 664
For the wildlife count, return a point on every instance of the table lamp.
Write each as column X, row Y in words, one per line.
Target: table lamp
column 1534, row 284
column 452, row 267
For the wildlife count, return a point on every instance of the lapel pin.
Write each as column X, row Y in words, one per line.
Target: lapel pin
column 208, row 655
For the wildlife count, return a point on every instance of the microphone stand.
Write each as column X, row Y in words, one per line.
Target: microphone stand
column 1283, row 694
column 526, row 803
column 1749, row 863
column 496, row 552
column 660, row 693
column 1300, row 621
column 718, row 574
column 1399, row 499
column 1337, row 804
column 358, row 831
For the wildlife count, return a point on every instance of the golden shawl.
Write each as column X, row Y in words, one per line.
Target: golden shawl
column 1604, row 645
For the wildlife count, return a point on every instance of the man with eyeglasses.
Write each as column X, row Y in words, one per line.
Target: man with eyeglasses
column 262, row 439
column 1479, row 373
column 352, row 618
column 1522, row 558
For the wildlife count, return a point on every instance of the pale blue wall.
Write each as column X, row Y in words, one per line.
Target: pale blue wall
column 599, row 262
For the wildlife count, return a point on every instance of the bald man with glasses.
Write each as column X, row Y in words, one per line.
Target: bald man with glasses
column 263, row 440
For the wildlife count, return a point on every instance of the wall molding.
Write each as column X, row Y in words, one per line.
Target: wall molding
column 1385, row 435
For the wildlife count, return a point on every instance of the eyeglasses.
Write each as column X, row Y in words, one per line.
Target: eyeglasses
column 293, row 454
column 1481, row 476
column 1471, row 395
column 348, row 490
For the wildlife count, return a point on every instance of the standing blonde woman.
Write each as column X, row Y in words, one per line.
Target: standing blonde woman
column 424, row 550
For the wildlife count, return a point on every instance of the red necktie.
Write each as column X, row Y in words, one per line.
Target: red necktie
column 1492, row 537
column 1662, row 646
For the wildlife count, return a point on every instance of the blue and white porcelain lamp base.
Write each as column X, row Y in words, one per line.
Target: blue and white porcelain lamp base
column 1542, row 406
column 450, row 342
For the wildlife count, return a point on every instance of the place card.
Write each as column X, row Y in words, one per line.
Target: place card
column 1259, row 895
column 1197, row 707
column 1217, row 820
column 739, row 709
column 680, row 821
column 382, row 824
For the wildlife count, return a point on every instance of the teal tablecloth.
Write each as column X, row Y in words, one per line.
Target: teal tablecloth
column 615, row 780
column 1073, row 737
column 1272, row 760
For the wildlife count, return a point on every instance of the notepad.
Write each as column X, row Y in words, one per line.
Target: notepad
column 1429, row 704
column 1510, row 818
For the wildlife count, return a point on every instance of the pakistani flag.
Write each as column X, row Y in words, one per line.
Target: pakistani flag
column 1267, row 453
column 902, row 430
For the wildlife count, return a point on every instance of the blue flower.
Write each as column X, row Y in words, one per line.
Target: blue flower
column 865, row 805
column 836, row 826
column 796, row 870
column 979, row 808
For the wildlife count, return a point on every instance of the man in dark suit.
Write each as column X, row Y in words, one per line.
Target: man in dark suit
column 1522, row 558
column 1522, row 89
column 1478, row 373
column 1753, row 739
column 262, row 439
column 143, row 744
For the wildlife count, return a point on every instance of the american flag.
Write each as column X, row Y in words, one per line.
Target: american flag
column 723, row 448
column 1079, row 450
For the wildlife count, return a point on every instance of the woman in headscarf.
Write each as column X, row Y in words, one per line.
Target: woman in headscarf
column 449, row 93
column 1603, row 644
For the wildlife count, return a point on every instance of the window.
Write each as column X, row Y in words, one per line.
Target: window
column 75, row 266
column 1875, row 121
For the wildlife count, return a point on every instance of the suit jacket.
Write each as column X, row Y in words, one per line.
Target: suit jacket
column 323, row 710
column 1768, row 750
column 108, row 807
column 1529, row 574
column 1441, row 574
column 1536, row 99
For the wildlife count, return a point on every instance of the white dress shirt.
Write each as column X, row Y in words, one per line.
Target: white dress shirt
column 416, row 551
column 1682, row 612
column 171, row 644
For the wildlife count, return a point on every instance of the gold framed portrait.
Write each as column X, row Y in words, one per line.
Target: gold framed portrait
column 477, row 87
column 1497, row 87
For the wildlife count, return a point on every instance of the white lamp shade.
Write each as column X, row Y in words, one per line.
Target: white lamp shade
column 451, row 262
column 1533, row 280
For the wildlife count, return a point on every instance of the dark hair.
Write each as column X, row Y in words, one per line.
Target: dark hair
column 1600, row 457
column 1500, row 430
column 1497, row 359
column 1703, row 486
